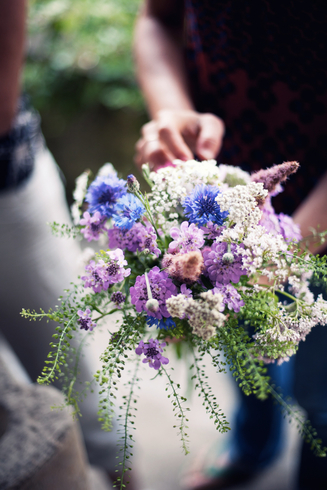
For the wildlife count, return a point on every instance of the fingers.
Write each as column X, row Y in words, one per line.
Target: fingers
column 177, row 135
column 149, row 148
column 151, row 152
column 170, row 128
column 210, row 136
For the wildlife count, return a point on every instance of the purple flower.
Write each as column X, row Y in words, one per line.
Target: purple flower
column 186, row 291
column 273, row 176
column 231, row 297
column 125, row 239
column 85, row 321
column 138, row 238
column 188, row 238
column 106, row 272
column 162, row 288
column 290, row 230
column 219, row 271
column 152, row 351
column 103, row 194
column 201, row 206
column 212, row 230
column 93, row 225
column 118, row 298
column 128, row 210
column 148, row 239
column 279, row 223
column 269, row 218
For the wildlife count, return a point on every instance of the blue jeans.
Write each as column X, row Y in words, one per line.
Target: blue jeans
column 258, row 429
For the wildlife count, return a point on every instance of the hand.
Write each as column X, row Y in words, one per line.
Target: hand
column 179, row 135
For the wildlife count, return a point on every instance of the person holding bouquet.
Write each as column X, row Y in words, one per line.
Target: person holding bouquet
column 246, row 82
column 36, row 266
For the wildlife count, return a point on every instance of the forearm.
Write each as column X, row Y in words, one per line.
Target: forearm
column 158, row 51
column 313, row 213
column 12, row 39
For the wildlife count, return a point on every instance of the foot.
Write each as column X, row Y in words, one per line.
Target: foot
column 216, row 471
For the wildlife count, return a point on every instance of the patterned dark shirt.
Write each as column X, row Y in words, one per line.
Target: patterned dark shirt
column 18, row 147
column 262, row 67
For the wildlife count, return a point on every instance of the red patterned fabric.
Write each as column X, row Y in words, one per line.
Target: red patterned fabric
column 262, row 67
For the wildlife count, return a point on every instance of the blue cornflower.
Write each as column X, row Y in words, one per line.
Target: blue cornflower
column 164, row 323
column 103, row 194
column 128, row 210
column 200, row 206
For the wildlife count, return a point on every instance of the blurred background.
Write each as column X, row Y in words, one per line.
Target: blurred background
column 79, row 75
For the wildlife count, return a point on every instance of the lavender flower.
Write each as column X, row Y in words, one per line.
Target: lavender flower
column 290, row 230
column 104, row 273
column 125, row 239
column 93, row 225
column 148, row 239
column 118, row 298
column 140, row 237
column 273, row 176
column 279, row 223
column 201, row 206
column 231, row 297
column 162, row 288
column 85, row 321
column 212, row 230
column 188, row 238
column 221, row 272
column 152, row 351
column 103, row 194
column 186, row 291
column 128, row 210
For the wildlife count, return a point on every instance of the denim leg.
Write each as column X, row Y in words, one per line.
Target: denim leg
column 311, row 392
column 257, row 434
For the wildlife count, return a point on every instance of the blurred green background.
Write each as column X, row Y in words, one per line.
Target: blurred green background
column 79, row 74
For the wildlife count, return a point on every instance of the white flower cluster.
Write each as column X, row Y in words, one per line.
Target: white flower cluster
column 241, row 202
column 232, row 176
column 262, row 247
column 204, row 315
column 78, row 195
column 299, row 286
column 286, row 327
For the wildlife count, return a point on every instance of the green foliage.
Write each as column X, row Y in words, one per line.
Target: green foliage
column 178, row 408
column 209, row 399
column 79, row 53
column 64, row 230
column 114, row 358
column 127, row 424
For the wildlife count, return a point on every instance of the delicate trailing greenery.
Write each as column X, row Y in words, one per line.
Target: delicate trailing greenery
column 209, row 399
column 113, row 359
column 64, row 230
column 178, row 409
column 128, row 425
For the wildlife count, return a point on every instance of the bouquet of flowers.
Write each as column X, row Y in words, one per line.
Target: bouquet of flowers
column 202, row 260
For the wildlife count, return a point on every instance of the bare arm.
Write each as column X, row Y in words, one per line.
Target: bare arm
column 176, row 129
column 313, row 213
column 12, row 38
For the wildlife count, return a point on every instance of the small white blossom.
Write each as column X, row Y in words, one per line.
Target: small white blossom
column 106, row 169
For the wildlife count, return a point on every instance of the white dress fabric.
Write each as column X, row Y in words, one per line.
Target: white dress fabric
column 35, row 268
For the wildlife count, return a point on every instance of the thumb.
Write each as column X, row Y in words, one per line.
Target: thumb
column 210, row 136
